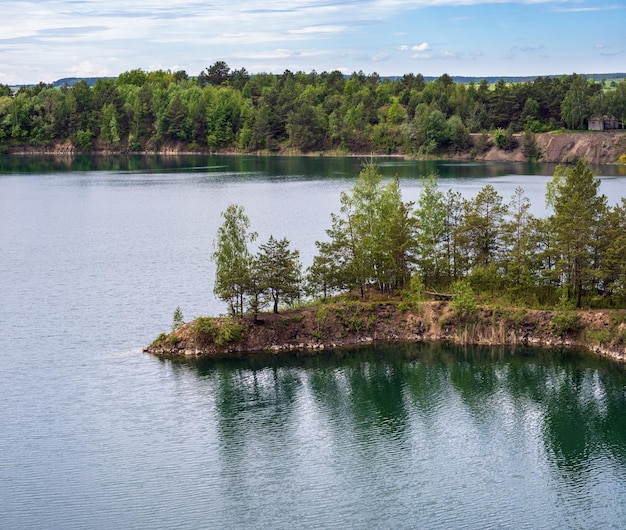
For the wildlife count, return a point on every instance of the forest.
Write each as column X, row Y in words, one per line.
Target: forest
column 446, row 244
column 231, row 110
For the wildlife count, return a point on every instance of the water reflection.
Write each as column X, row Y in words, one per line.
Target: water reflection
column 578, row 403
column 276, row 167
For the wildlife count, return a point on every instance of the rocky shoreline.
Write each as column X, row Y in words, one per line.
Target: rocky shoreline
column 338, row 325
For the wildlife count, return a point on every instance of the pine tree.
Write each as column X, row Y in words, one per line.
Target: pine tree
column 573, row 194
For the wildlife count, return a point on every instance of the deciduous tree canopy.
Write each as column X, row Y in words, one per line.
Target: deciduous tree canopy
column 224, row 109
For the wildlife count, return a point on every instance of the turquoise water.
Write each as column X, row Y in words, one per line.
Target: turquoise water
column 96, row 434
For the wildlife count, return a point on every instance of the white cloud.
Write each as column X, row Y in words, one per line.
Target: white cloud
column 37, row 36
column 380, row 57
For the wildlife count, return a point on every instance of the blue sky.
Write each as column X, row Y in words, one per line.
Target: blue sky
column 46, row 40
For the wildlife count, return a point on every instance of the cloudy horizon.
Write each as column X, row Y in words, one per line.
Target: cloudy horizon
column 47, row 40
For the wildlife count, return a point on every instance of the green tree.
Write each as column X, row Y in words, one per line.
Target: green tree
column 109, row 129
column 532, row 152
column 518, row 243
column 482, row 225
column 613, row 267
column 575, row 105
column 306, row 128
column 232, row 258
column 455, row 258
column 371, row 239
column 279, row 271
column 430, row 215
column 573, row 195
column 177, row 320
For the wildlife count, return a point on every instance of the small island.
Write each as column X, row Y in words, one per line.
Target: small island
column 341, row 324
column 476, row 271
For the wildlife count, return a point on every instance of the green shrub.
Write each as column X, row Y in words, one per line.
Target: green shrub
column 229, row 332
column 532, row 152
column 84, row 140
column 159, row 339
column 564, row 322
column 464, row 301
column 598, row 336
column 412, row 297
column 504, row 139
column 619, row 317
column 172, row 340
column 204, row 330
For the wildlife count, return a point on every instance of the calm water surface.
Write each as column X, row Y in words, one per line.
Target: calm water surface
column 95, row 254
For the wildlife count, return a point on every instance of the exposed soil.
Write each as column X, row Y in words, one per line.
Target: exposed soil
column 597, row 147
column 338, row 325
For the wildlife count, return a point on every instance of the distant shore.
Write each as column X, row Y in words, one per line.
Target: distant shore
column 596, row 147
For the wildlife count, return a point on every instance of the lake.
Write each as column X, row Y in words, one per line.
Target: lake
column 95, row 255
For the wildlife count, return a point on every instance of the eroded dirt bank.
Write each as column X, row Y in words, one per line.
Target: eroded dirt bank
column 338, row 325
column 601, row 147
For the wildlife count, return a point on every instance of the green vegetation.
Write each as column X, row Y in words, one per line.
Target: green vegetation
column 478, row 247
column 228, row 332
column 220, row 109
column 209, row 330
column 204, row 330
column 233, row 260
column 464, row 301
column 250, row 282
column 177, row 320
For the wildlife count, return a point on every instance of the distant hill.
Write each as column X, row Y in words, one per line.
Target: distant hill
column 518, row 79
column 91, row 81
column 71, row 81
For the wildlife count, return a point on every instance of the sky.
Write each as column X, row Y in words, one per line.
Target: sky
column 45, row 40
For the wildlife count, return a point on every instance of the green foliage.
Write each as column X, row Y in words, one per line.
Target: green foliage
column 84, row 140
column 229, row 331
column 159, row 340
column 464, row 300
column 222, row 108
column 532, row 152
column 481, row 145
column 321, row 316
column 413, row 297
column 505, row 140
column 565, row 322
column 204, row 330
column 278, row 271
column 232, row 258
column 172, row 340
column 371, row 241
column 576, row 224
column 177, row 320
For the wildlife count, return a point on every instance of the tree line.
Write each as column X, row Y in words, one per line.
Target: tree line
column 224, row 109
column 574, row 257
